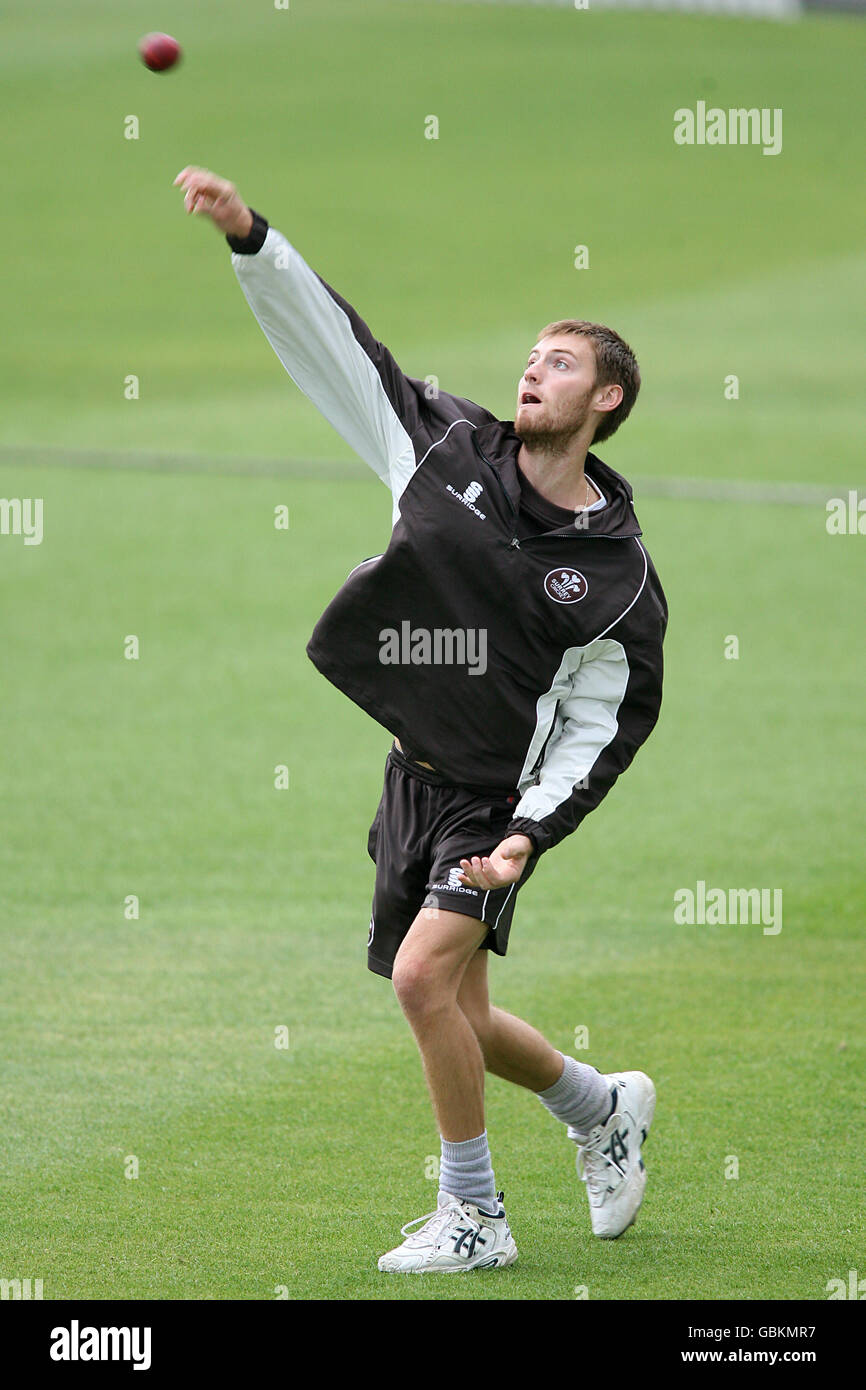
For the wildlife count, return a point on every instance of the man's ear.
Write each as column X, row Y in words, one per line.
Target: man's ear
column 609, row 397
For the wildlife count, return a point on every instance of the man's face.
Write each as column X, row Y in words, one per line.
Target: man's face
column 555, row 392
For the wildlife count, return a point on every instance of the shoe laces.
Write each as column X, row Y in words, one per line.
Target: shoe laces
column 435, row 1222
column 594, row 1168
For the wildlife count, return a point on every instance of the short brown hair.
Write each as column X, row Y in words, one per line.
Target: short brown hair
column 615, row 363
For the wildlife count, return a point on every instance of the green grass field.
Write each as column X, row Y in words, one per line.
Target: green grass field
column 262, row 1168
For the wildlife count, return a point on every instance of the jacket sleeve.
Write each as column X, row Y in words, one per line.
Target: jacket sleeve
column 609, row 711
column 330, row 353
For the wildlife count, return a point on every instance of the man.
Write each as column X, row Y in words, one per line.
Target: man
column 510, row 638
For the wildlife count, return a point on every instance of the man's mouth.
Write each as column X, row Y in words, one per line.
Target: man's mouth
column 529, row 399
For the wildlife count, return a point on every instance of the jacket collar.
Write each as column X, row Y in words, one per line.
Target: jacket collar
column 499, row 445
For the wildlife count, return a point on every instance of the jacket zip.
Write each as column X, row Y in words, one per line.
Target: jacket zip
column 514, row 541
column 540, row 759
column 546, row 534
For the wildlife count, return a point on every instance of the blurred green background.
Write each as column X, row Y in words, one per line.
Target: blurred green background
column 555, row 130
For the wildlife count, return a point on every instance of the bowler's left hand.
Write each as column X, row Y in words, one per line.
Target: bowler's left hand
column 503, row 866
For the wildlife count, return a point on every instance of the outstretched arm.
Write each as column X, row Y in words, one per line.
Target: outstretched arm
column 324, row 344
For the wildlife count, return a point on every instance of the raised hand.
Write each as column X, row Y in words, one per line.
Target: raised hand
column 208, row 194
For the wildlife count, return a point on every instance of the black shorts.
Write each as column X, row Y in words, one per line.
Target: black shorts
column 424, row 825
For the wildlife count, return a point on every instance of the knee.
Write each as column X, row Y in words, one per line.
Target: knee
column 420, row 986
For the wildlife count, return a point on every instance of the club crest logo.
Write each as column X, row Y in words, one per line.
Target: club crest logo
column 565, row 586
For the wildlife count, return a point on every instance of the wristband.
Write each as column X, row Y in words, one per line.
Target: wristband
column 249, row 245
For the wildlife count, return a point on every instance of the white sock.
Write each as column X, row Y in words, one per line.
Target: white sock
column 581, row 1098
column 466, row 1172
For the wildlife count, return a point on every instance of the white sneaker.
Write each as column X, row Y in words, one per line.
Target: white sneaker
column 457, row 1235
column 608, row 1158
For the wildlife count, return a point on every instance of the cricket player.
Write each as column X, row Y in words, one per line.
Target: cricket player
column 510, row 640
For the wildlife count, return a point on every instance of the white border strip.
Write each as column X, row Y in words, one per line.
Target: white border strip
column 754, row 9
column 125, row 460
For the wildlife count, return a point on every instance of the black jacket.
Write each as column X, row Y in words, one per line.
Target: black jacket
column 532, row 664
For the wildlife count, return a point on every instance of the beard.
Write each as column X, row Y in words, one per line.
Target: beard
column 553, row 434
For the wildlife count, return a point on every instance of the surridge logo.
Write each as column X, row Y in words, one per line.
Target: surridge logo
column 453, row 884
column 565, row 586
column 469, row 497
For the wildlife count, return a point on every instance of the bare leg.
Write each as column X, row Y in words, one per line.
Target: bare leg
column 511, row 1048
column 427, row 975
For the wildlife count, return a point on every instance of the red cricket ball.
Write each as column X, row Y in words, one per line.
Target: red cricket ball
column 159, row 51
